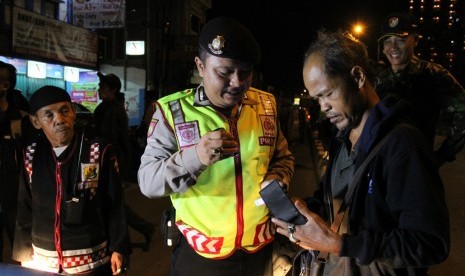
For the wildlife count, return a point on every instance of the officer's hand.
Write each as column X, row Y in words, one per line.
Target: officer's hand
column 216, row 145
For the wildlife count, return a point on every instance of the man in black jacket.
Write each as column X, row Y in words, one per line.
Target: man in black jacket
column 397, row 221
column 70, row 207
column 12, row 111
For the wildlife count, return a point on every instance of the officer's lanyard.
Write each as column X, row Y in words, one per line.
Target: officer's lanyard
column 229, row 115
column 77, row 169
column 236, row 111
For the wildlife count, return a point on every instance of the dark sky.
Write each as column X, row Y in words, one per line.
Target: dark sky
column 284, row 29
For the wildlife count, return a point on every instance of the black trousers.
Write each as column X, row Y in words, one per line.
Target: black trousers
column 7, row 222
column 186, row 262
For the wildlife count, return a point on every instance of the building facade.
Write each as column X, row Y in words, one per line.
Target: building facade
column 441, row 24
column 168, row 29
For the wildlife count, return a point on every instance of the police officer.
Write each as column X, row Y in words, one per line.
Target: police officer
column 70, row 206
column 209, row 149
column 427, row 86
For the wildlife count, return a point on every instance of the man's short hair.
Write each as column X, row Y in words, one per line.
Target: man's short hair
column 227, row 38
column 341, row 51
column 111, row 80
column 47, row 95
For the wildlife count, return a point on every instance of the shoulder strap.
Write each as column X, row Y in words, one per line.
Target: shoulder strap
column 357, row 176
column 176, row 111
column 355, row 181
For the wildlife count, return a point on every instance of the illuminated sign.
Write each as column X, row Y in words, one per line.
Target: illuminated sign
column 36, row 69
column 135, row 48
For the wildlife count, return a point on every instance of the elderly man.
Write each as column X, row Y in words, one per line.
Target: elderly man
column 70, row 205
column 393, row 220
column 427, row 86
column 210, row 149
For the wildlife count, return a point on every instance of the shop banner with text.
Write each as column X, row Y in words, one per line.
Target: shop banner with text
column 99, row 14
column 39, row 36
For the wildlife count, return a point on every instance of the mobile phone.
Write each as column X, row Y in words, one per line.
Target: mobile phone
column 280, row 204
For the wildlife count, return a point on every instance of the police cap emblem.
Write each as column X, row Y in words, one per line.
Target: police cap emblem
column 217, row 45
column 393, row 22
column 227, row 38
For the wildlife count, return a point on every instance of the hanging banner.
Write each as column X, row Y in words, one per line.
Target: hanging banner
column 35, row 35
column 99, row 14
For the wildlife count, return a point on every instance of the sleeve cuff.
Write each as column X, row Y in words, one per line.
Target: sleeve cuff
column 357, row 247
column 191, row 162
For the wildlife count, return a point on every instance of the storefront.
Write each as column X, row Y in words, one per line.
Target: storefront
column 46, row 51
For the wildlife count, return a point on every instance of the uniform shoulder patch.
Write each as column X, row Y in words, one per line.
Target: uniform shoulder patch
column 152, row 125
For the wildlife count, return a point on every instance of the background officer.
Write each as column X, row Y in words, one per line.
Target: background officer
column 428, row 87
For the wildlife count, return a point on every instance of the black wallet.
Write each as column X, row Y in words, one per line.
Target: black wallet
column 280, row 204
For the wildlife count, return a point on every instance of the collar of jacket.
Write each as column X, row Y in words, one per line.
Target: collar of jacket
column 66, row 155
column 201, row 98
column 389, row 112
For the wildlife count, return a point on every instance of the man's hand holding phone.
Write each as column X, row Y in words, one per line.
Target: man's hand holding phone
column 280, row 204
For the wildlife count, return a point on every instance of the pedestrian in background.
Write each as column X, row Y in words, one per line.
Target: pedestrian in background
column 428, row 87
column 210, row 148
column 393, row 220
column 112, row 126
column 111, row 121
column 70, row 207
column 13, row 108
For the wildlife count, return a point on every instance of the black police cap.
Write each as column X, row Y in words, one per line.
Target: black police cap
column 398, row 24
column 227, row 38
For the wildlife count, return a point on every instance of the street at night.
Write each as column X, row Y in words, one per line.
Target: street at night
column 139, row 53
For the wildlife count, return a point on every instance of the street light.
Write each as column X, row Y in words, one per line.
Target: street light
column 358, row 29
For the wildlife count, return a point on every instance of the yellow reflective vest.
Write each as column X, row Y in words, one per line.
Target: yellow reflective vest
column 219, row 213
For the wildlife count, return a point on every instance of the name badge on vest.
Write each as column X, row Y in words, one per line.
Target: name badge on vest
column 188, row 134
column 89, row 176
column 268, row 127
